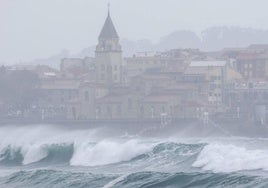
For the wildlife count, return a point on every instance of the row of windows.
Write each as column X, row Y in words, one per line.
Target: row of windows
column 115, row 67
column 214, row 86
column 250, row 66
column 109, row 110
column 247, row 66
column 214, row 78
column 118, row 108
column 214, row 94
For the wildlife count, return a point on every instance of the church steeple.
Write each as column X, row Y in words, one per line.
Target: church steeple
column 108, row 55
column 108, row 30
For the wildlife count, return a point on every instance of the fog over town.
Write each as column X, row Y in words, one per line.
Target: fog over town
column 137, row 93
column 40, row 29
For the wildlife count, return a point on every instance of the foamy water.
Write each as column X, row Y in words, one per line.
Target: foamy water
column 231, row 158
column 107, row 152
column 25, row 151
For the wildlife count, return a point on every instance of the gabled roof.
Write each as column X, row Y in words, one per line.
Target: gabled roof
column 108, row 31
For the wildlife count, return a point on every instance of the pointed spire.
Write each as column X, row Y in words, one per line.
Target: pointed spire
column 109, row 9
column 108, row 31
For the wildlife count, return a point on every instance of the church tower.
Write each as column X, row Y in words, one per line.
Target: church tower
column 108, row 55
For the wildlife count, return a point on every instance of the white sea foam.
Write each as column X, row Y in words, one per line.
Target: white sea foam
column 231, row 158
column 106, row 152
column 33, row 154
column 33, row 141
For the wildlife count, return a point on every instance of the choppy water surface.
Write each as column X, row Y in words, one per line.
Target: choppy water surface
column 56, row 157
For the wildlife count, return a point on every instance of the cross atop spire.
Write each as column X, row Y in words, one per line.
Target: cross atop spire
column 109, row 5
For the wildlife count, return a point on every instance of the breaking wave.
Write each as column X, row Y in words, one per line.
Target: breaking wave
column 106, row 152
column 149, row 156
column 44, row 146
column 83, row 154
column 231, row 158
column 51, row 157
column 56, row 153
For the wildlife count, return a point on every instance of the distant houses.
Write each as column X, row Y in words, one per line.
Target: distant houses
column 152, row 86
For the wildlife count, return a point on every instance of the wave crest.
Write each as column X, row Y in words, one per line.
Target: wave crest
column 106, row 152
column 231, row 158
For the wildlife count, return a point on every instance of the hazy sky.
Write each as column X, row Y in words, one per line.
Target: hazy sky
column 39, row 28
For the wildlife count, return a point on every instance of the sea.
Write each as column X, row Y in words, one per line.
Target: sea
column 51, row 156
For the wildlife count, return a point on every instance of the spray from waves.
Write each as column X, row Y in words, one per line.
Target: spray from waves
column 107, row 152
column 54, row 153
column 31, row 144
column 53, row 145
column 231, row 158
column 136, row 155
column 43, row 144
column 75, row 154
column 132, row 153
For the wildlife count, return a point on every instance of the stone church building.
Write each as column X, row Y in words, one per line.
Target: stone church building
column 108, row 74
